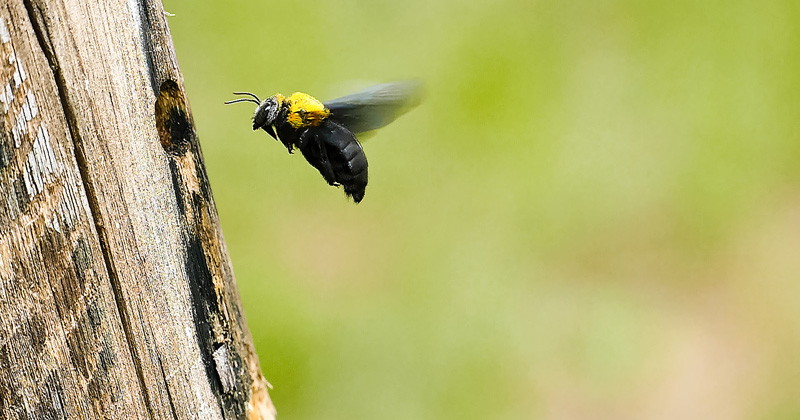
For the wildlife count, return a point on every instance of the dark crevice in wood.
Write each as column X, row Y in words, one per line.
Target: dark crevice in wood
column 206, row 308
column 43, row 37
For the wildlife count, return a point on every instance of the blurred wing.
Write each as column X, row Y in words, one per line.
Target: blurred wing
column 376, row 106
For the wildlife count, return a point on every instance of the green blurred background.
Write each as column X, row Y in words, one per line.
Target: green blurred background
column 594, row 215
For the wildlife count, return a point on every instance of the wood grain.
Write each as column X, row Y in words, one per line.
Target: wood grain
column 117, row 296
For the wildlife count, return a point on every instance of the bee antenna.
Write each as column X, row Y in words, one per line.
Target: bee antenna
column 242, row 100
column 255, row 100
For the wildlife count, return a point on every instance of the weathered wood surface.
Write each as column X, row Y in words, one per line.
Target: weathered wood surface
column 117, row 296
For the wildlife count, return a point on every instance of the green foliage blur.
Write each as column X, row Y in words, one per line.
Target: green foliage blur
column 594, row 215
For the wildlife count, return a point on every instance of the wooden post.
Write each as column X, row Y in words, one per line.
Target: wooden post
column 117, row 296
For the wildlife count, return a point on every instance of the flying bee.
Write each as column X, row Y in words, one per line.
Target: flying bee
column 325, row 132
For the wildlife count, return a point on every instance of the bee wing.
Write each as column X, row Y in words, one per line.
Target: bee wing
column 375, row 106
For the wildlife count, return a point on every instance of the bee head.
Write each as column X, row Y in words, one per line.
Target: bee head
column 267, row 111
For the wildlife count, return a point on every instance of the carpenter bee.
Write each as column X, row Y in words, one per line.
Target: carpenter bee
column 325, row 132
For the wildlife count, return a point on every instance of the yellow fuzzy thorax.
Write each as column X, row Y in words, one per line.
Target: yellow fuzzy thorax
column 305, row 110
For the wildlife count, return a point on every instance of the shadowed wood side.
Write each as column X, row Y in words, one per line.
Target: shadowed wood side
column 117, row 296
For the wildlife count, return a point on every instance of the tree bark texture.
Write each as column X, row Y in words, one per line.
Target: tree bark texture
column 117, row 296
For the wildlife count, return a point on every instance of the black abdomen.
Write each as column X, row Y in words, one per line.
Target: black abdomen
column 337, row 155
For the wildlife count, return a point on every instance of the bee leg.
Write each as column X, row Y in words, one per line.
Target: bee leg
column 303, row 139
column 315, row 153
column 325, row 165
column 273, row 131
